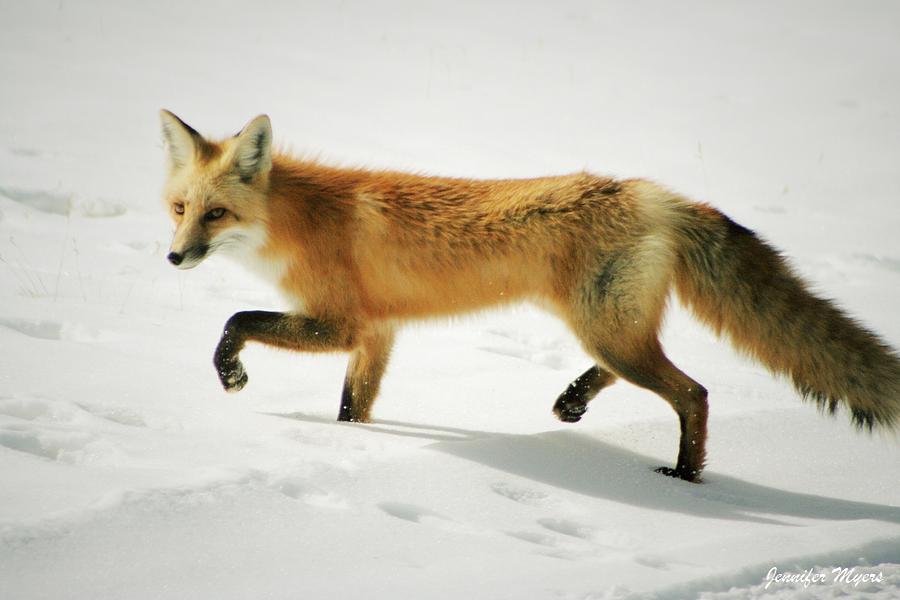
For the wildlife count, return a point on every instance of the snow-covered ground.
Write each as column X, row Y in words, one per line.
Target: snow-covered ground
column 126, row 471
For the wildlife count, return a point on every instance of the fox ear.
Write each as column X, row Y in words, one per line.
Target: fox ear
column 182, row 141
column 253, row 150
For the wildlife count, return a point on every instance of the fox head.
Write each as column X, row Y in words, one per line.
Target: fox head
column 215, row 192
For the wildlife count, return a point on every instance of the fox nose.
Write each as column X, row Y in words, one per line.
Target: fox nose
column 175, row 258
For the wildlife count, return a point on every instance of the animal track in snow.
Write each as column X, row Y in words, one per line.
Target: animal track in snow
column 549, row 359
column 565, row 547
column 541, row 539
column 27, row 409
column 146, row 247
column 57, row 330
column 521, row 494
column 44, row 330
column 115, row 414
column 418, row 514
column 654, row 562
column 63, row 446
column 408, row 512
column 38, row 409
column 567, row 527
column 63, row 204
column 53, row 430
column 310, row 494
column 44, row 201
column 548, row 351
column 44, row 410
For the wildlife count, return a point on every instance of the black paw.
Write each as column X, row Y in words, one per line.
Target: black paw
column 692, row 476
column 569, row 413
column 347, row 415
column 346, row 418
column 232, row 376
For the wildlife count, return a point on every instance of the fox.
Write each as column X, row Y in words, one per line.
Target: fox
column 359, row 253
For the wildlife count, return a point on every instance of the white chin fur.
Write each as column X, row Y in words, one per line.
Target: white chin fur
column 244, row 246
column 188, row 264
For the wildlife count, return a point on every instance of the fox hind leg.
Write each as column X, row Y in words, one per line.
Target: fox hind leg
column 642, row 362
column 654, row 372
column 572, row 403
column 364, row 372
column 617, row 315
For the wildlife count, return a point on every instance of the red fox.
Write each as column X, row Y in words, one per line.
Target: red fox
column 361, row 252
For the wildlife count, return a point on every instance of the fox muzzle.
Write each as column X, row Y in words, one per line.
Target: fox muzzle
column 188, row 258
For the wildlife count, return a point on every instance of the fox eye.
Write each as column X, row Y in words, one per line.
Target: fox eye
column 179, row 208
column 214, row 214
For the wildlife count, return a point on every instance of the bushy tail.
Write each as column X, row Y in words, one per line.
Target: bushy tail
column 738, row 284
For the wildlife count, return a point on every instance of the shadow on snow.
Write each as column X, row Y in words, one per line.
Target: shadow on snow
column 585, row 465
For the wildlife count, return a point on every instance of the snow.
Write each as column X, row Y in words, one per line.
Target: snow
column 128, row 473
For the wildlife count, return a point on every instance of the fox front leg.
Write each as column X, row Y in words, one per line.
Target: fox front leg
column 283, row 330
column 364, row 372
